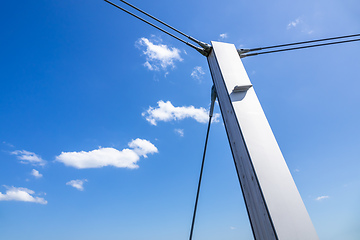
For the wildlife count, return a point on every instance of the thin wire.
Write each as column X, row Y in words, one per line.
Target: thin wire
column 305, row 42
column 146, row 21
column 202, row 44
column 156, row 19
column 213, row 98
column 289, row 49
column 153, row 25
column 200, row 177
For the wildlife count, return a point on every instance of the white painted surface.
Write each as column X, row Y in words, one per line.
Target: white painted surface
column 275, row 208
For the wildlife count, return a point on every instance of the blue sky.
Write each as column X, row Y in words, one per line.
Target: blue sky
column 103, row 118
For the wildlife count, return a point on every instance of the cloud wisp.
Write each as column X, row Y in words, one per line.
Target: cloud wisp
column 294, row 23
column 167, row 112
column 197, row 73
column 158, row 56
column 301, row 24
column 26, row 157
column 321, row 198
column 78, row 184
column 20, row 194
column 36, row 174
column 180, row 132
column 102, row 157
column 223, row 35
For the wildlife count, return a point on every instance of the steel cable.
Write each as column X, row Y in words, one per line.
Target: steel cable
column 213, row 98
column 305, row 42
column 202, row 51
column 296, row 48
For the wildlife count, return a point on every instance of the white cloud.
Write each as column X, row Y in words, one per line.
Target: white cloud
column 21, row 195
column 36, row 173
column 167, row 112
column 180, row 132
column 197, row 73
column 151, row 67
column 321, row 198
column 158, row 56
column 78, row 184
column 29, row 157
column 223, row 35
column 142, row 147
column 301, row 24
column 294, row 23
column 126, row 158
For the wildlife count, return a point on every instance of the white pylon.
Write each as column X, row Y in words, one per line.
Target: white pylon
column 274, row 205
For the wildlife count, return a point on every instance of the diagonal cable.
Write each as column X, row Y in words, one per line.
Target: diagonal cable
column 202, row 44
column 200, row 50
column 296, row 48
column 213, row 98
column 304, row 42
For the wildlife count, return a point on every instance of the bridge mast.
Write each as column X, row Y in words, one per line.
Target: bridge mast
column 274, row 205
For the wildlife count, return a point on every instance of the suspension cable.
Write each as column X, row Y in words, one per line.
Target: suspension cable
column 305, row 42
column 204, row 45
column 295, row 48
column 201, row 50
column 213, row 98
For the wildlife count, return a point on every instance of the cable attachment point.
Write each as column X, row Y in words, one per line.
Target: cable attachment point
column 205, row 46
column 202, row 51
column 213, row 98
column 242, row 51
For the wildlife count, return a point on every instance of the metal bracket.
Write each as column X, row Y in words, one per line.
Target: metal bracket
column 241, row 52
column 243, row 88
